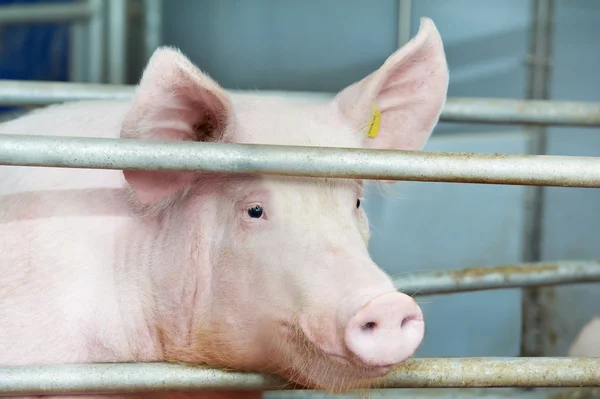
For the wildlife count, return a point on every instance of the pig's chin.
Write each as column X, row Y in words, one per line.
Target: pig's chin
column 321, row 372
column 305, row 365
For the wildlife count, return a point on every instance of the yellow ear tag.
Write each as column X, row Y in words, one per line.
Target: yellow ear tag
column 376, row 118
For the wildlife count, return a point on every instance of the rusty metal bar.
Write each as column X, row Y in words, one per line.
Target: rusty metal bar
column 476, row 110
column 539, row 78
column 102, row 153
column 415, row 373
column 500, row 277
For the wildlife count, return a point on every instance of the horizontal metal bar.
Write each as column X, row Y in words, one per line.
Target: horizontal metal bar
column 40, row 93
column 28, row 13
column 449, row 393
column 102, row 153
column 522, row 112
column 414, row 373
column 500, row 277
column 477, row 110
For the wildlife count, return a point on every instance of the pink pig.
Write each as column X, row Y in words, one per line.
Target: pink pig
column 259, row 273
column 587, row 341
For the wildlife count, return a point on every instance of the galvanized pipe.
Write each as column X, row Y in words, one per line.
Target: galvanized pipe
column 153, row 26
column 117, row 41
column 477, row 110
column 415, row 373
column 404, row 22
column 521, row 112
column 31, row 13
column 22, row 92
column 101, row 153
column 450, row 393
column 538, row 88
column 78, row 52
column 96, row 43
column 500, row 277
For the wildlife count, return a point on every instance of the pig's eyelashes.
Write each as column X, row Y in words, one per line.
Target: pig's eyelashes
column 255, row 211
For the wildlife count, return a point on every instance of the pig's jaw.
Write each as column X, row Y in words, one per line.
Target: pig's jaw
column 306, row 366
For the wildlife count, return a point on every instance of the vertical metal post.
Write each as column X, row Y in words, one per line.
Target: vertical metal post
column 77, row 59
column 152, row 26
column 404, row 22
column 96, row 60
column 539, row 62
column 117, row 41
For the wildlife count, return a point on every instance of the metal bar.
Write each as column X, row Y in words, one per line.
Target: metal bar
column 535, row 300
column 520, row 112
column 97, row 61
column 117, row 41
column 500, row 277
column 477, row 110
column 78, row 50
column 404, row 22
column 153, row 28
column 450, row 393
column 22, row 92
column 31, row 13
column 414, row 373
column 358, row 163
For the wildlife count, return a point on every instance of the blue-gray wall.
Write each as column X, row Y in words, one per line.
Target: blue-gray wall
column 324, row 45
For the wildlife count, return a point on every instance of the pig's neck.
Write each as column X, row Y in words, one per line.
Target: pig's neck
column 175, row 298
column 177, row 262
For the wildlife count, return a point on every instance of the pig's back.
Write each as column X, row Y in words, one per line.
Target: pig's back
column 58, row 233
column 84, row 119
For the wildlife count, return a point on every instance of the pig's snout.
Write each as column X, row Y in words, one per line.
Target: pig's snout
column 385, row 331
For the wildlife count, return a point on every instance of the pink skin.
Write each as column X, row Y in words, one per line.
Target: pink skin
column 587, row 342
column 110, row 266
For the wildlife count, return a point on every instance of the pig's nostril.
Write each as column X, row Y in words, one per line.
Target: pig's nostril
column 369, row 326
column 407, row 321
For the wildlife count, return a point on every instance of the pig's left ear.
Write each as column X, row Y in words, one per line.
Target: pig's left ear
column 397, row 106
column 174, row 101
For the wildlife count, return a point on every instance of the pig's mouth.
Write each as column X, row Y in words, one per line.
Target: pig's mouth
column 324, row 374
column 307, row 366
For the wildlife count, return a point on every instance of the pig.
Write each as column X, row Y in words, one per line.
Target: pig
column 261, row 273
column 587, row 341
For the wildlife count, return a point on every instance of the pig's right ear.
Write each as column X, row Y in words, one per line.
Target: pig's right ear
column 397, row 106
column 174, row 101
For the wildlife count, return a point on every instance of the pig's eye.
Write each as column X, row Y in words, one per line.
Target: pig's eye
column 358, row 203
column 255, row 211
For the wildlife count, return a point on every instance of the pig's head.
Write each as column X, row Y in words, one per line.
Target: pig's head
column 272, row 273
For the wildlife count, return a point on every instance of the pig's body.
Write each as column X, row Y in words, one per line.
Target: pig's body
column 65, row 286
column 587, row 341
column 253, row 273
